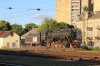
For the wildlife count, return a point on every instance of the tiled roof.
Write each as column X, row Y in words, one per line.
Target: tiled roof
column 4, row 33
column 33, row 31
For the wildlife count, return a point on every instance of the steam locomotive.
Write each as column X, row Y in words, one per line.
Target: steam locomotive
column 60, row 38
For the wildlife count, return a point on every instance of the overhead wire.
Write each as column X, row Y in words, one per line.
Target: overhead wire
column 26, row 10
column 31, row 8
column 19, row 11
column 31, row 13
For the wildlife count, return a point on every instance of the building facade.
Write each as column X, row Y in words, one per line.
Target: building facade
column 68, row 10
column 88, row 30
column 23, row 37
column 88, row 3
column 96, row 5
column 9, row 39
column 63, row 11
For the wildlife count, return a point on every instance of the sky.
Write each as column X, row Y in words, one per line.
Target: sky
column 24, row 11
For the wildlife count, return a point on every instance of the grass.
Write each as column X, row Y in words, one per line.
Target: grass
column 95, row 49
column 47, row 48
column 56, row 49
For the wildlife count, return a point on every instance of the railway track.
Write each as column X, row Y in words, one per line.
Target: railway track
column 4, row 64
column 66, row 55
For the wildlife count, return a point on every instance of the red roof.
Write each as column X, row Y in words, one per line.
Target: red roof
column 4, row 33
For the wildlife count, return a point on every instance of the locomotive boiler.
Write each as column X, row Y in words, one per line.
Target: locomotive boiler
column 61, row 38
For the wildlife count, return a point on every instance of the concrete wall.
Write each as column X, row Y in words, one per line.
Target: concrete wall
column 96, row 5
column 1, row 42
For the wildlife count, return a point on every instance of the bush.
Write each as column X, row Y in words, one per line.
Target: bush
column 95, row 49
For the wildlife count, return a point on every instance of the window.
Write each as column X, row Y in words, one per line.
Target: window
column 84, row 34
column 96, row 33
column 7, row 44
column 73, row 21
column 34, row 39
column 89, row 24
column 13, row 44
column 22, row 40
column 89, row 34
column 16, row 40
column 96, row 24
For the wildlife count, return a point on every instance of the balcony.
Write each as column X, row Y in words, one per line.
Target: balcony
column 90, row 38
column 76, row 1
column 97, row 37
column 89, row 28
column 76, row 8
column 98, row 27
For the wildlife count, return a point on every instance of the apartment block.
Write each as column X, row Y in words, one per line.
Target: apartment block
column 96, row 5
column 68, row 10
column 63, row 11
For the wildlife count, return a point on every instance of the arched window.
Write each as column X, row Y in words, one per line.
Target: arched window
column 90, row 24
column 96, row 33
column 89, row 34
column 96, row 24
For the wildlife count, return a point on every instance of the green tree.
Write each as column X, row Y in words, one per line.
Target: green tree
column 85, row 9
column 4, row 26
column 43, row 27
column 62, row 25
column 29, row 26
column 72, row 27
column 18, row 29
column 48, row 24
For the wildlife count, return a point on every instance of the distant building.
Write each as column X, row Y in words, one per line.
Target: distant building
column 26, row 39
column 96, row 5
column 69, row 10
column 9, row 39
column 33, row 31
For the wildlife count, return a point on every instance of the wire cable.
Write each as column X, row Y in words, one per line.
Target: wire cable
column 47, row 10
